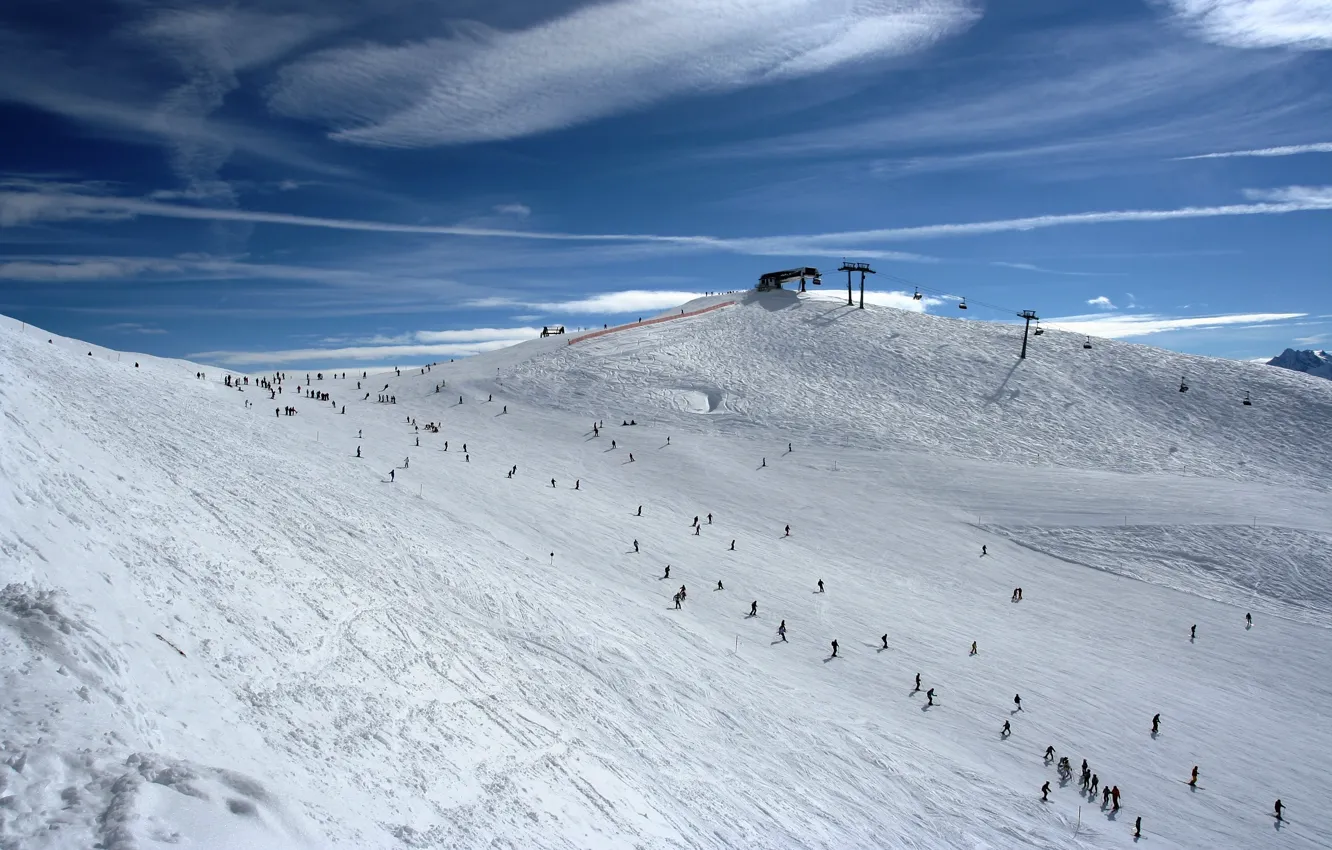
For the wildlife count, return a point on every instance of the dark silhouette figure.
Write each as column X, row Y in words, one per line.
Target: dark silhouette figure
column 1017, row 700
column 929, row 697
column 1045, row 793
column 1156, row 723
column 834, row 647
column 753, row 608
column 885, row 641
column 820, row 585
column 917, row 688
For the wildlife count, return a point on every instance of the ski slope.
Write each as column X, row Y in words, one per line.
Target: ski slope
column 221, row 628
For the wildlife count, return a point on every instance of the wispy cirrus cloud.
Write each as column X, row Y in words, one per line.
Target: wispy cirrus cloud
column 1101, row 302
column 1122, row 326
column 26, row 207
column 134, row 328
column 479, row 84
column 1299, row 24
column 1283, row 150
column 1031, row 267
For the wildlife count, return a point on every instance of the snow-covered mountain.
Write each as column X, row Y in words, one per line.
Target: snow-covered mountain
column 1317, row 363
column 222, row 627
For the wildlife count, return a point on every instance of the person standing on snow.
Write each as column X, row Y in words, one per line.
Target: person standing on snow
column 820, row 585
column 1193, row 780
column 973, row 647
column 753, row 608
column 834, row 648
column 781, row 631
column 885, row 641
column 358, row 451
column 1017, row 700
column 668, row 571
column 677, row 601
column 1156, row 723
column 640, row 511
column 390, row 475
column 929, row 697
column 1049, row 752
column 1007, row 730
column 732, row 545
column 1045, row 793
column 1193, row 631
column 719, row 585
column 1114, row 797
column 635, row 547
column 1278, row 808
column 917, row 688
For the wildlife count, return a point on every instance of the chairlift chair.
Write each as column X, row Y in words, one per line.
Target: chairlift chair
column 1039, row 330
column 962, row 305
column 1087, row 343
column 916, row 297
column 1247, row 402
column 1183, row 387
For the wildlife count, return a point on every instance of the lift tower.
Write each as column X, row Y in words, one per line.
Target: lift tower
column 864, row 269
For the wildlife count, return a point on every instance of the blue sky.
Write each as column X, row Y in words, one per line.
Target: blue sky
column 301, row 183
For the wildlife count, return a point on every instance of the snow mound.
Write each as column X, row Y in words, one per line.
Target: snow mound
column 224, row 627
column 879, row 377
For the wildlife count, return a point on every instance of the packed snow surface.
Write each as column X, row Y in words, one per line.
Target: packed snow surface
column 219, row 627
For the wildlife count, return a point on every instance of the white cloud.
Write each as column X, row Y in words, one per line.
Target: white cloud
column 1299, row 24
column 1101, row 302
column 1121, row 326
column 355, row 354
column 613, row 303
column 516, row 210
column 481, row 84
column 1316, row 195
column 476, row 335
column 1284, row 150
column 896, row 299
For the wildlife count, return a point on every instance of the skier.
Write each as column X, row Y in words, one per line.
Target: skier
column 732, row 545
column 765, row 462
column 709, row 519
column 788, row 448
column 1248, row 620
column 631, row 457
column 358, row 451
column 612, row 444
column 885, row 641
column 682, row 591
column 1049, row 752
column 788, row 532
column 406, row 462
column 698, row 529
column 1007, row 730
column 820, row 585
column 929, row 697
column 1137, row 827
column 635, row 546
column 1105, row 796
column 677, row 601
column 973, row 647
column 719, row 585
column 753, row 608
column 640, row 511
column 1278, row 808
column 1045, row 793
column 390, row 475
column 834, row 646
column 446, row 445
column 552, row 483
column 1156, row 723
column 984, row 551
column 917, row 688
column 1193, row 631
column 1193, row 780
column 695, row 522
column 781, row 632
column 418, row 441
column 1017, row 700
column 1114, row 796
column 1096, row 781
column 668, row 571
column 578, row 483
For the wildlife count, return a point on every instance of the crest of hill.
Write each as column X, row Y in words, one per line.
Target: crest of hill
column 887, row 378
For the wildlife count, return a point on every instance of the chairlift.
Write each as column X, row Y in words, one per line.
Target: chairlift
column 1039, row 330
column 1086, row 343
column 1183, row 387
column 1247, row 401
column 916, row 297
column 962, row 305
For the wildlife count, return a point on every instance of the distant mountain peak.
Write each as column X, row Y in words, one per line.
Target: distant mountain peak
column 1317, row 363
